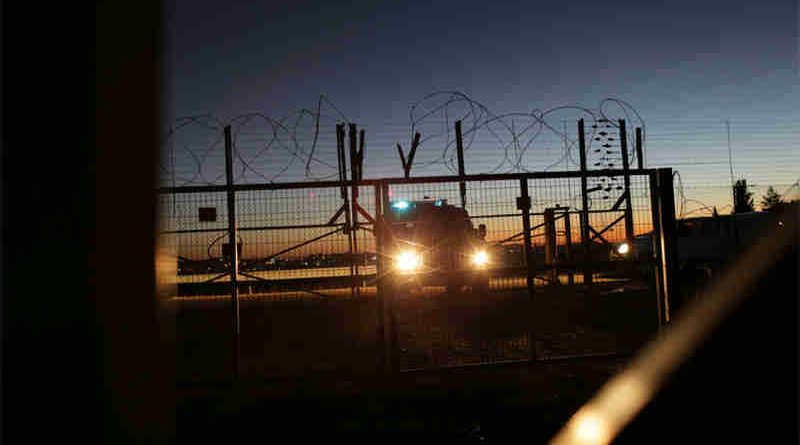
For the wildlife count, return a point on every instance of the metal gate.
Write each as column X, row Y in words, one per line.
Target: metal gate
column 580, row 264
column 571, row 273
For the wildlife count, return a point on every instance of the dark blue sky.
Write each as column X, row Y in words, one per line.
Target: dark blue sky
column 685, row 66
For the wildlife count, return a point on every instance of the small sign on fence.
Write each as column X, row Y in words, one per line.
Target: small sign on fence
column 207, row 214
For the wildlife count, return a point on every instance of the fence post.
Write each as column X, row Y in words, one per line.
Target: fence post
column 639, row 153
column 585, row 240
column 656, row 246
column 524, row 204
column 667, row 229
column 352, row 213
column 623, row 143
column 360, row 176
column 234, row 256
column 342, row 158
column 550, row 242
column 462, row 186
column 568, row 247
column 379, row 276
column 387, row 323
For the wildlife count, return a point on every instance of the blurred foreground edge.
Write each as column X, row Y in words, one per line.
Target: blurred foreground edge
column 726, row 367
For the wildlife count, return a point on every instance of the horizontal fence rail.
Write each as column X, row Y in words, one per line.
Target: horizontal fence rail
column 427, row 179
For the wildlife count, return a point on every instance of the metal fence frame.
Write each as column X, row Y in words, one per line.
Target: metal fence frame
column 663, row 222
column 662, row 218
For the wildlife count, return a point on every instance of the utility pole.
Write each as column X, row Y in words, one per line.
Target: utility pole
column 730, row 156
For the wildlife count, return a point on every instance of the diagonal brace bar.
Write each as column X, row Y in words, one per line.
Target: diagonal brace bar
column 364, row 213
column 598, row 235
column 304, row 243
column 338, row 213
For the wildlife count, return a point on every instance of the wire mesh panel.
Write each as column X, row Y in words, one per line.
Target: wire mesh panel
column 302, row 318
column 445, row 315
column 441, row 325
column 192, row 226
column 288, row 239
column 296, row 258
column 493, row 204
column 364, row 238
column 293, row 238
column 308, row 272
column 617, row 312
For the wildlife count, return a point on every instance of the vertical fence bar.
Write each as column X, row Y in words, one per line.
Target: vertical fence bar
column 667, row 226
column 345, row 200
column 550, row 242
column 623, row 145
column 355, row 289
column 234, row 255
column 585, row 240
column 568, row 247
column 388, row 290
column 360, row 175
column 639, row 153
column 462, row 186
column 392, row 294
column 380, row 275
column 656, row 247
column 524, row 204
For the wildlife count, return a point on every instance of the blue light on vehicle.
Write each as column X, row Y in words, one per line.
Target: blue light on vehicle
column 438, row 203
column 400, row 205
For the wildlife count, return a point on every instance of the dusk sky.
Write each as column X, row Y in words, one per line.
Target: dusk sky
column 684, row 66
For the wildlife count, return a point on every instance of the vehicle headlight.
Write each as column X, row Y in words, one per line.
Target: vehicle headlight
column 480, row 258
column 623, row 248
column 408, row 261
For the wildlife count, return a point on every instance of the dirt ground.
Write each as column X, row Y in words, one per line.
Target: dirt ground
column 313, row 360
column 304, row 334
column 495, row 404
